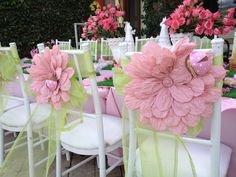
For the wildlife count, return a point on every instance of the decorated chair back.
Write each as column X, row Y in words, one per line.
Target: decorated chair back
column 105, row 49
column 139, row 43
column 10, row 60
column 93, row 45
column 151, row 135
column 64, row 45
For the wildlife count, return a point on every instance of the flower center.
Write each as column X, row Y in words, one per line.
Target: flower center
column 167, row 82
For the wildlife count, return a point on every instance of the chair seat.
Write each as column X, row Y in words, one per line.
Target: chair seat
column 84, row 136
column 12, row 104
column 16, row 117
column 201, row 159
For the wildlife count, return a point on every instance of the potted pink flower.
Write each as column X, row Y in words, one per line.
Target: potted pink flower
column 192, row 18
column 106, row 23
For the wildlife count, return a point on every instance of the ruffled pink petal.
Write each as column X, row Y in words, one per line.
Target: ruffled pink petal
column 211, row 95
column 197, row 86
column 162, row 103
column 208, row 80
column 180, row 75
column 132, row 102
column 145, row 120
column 180, row 109
column 180, row 129
column 140, row 66
column 181, row 93
column 197, row 106
column 152, row 49
column 172, row 119
column 207, row 113
column 70, row 72
column 58, row 73
column 191, row 120
column 146, row 107
column 55, row 98
column 45, row 91
column 158, row 124
column 218, row 72
column 66, row 85
column 64, row 60
column 65, row 96
column 57, row 105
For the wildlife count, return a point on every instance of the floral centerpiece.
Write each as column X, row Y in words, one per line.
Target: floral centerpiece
column 191, row 16
column 107, row 22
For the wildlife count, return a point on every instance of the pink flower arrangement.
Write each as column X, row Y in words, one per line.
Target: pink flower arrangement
column 105, row 23
column 191, row 16
column 51, row 77
column 168, row 96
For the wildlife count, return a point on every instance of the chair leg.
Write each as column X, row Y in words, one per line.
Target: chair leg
column 1, row 146
column 30, row 150
column 58, row 161
column 41, row 139
column 67, row 155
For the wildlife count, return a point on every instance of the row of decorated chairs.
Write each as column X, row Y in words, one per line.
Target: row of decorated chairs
column 99, row 134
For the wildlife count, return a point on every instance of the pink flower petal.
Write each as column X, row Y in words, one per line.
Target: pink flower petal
column 207, row 113
column 146, row 107
column 197, row 86
column 180, row 129
column 158, row 124
column 172, row 119
column 181, row 93
column 218, row 72
column 162, row 103
column 197, row 106
column 180, row 109
column 132, row 102
column 191, row 120
column 58, row 73
column 65, row 96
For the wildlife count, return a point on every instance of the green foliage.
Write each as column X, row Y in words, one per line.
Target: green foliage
column 155, row 10
column 29, row 22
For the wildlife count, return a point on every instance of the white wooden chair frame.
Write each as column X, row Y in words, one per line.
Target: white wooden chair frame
column 214, row 142
column 102, row 151
column 30, row 127
column 91, row 44
column 143, row 41
column 64, row 45
column 104, row 43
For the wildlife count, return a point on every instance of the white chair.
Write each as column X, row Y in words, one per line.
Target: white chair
column 16, row 119
column 93, row 45
column 139, row 43
column 64, row 45
column 40, row 47
column 210, row 157
column 105, row 49
column 96, row 136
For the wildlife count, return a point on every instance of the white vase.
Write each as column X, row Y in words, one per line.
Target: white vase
column 177, row 36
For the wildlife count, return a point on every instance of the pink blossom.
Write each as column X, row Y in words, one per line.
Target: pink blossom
column 195, row 12
column 226, row 30
column 227, row 21
column 166, row 94
column 199, row 30
column 187, row 13
column 84, row 29
column 83, row 35
column 217, row 31
column 231, row 12
column 209, row 24
column 119, row 13
column 175, row 24
column 187, row 2
column 209, row 32
column 110, row 20
column 106, row 26
column 109, row 6
column 181, row 21
column 203, row 14
column 112, row 10
column 168, row 22
column 98, row 11
column 51, row 77
column 216, row 16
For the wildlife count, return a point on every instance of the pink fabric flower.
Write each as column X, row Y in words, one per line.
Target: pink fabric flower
column 165, row 92
column 51, row 77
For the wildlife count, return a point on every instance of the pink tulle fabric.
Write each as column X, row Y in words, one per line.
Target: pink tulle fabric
column 168, row 97
column 51, row 77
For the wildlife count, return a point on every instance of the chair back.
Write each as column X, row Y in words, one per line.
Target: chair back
column 93, row 45
column 105, row 49
column 213, row 142
column 139, row 43
column 64, row 45
column 12, row 51
column 40, row 47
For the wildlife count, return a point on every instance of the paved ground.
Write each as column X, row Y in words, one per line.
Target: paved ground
column 18, row 163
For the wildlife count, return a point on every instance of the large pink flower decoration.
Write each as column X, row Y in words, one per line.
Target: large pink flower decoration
column 51, row 77
column 165, row 92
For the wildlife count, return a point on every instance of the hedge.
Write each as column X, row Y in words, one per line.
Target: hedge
column 29, row 22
